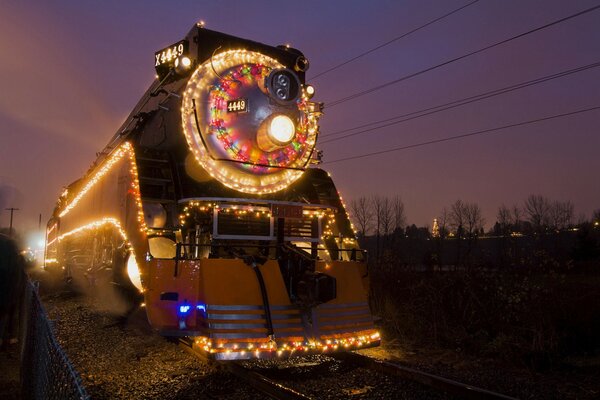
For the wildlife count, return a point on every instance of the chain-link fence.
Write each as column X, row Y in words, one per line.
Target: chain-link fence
column 46, row 372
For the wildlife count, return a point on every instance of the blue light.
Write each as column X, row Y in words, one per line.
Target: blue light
column 184, row 309
column 201, row 307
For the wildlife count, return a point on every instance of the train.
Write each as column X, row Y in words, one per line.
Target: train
column 208, row 207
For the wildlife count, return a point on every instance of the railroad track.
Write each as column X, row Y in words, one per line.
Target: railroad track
column 459, row 389
column 277, row 390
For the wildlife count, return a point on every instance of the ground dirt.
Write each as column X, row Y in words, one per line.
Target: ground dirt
column 578, row 378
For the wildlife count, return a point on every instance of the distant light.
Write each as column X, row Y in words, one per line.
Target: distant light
column 201, row 307
column 36, row 241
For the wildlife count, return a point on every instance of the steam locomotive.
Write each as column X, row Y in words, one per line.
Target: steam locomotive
column 207, row 205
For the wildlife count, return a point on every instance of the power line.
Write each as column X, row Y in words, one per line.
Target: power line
column 453, row 104
column 373, row 89
column 391, row 41
column 481, row 132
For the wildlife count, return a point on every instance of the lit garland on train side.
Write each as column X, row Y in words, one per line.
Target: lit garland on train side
column 363, row 339
column 259, row 211
column 346, row 211
column 126, row 149
column 95, row 225
column 98, row 224
column 117, row 225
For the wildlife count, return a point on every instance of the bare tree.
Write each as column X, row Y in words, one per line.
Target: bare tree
column 377, row 203
column 398, row 213
column 537, row 208
column 596, row 216
column 363, row 214
column 560, row 214
column 517, row 217
column 443, row 221
column 568, row 214
column 457, row 217
column 504, row 219
column 387, row 216
column 473, row 219
column 466, row 218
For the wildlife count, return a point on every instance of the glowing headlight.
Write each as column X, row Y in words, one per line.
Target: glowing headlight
column 282, row 130
column 275, row 132
column 133, row 271
column 309, row 91
column 182, row 64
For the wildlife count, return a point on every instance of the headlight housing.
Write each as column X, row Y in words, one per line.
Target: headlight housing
column 283, row 86
column 277, row 131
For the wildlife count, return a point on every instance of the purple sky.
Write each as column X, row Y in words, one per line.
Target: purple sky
column 70, row 72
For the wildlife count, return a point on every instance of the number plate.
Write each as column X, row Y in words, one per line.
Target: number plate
column 169, row 54
column 237, row 106
column 165, row 58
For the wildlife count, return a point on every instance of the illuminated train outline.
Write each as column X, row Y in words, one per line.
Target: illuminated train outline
column 203, row 206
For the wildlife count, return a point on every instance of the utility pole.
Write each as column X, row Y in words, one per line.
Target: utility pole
column 12, row 210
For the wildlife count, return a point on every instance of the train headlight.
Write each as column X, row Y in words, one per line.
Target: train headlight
column 283, row 85
column 275, row 132
column 133, row 271
column 282, row 129
column 309, row 91
column 182, row 65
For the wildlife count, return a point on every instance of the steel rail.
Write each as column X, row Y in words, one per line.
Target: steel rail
column 462, row 390
column 263, row 384
column 259, row 382
column 276, row 390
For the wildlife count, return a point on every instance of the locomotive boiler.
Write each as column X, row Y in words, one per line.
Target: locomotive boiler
column 207, row 205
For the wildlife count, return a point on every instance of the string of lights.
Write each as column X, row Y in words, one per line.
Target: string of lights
column 125, row 150
column 462, row 136
column 391, row 41
column 455, row 59
column 453, row 104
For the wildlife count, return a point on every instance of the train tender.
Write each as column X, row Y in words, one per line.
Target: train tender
column 207, row 203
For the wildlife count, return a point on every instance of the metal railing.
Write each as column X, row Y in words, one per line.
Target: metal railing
column 46, row 372
column 187, row 250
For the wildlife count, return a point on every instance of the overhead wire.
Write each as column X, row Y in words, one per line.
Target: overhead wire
column 461, row 136
column 496, row 44
column 453, row 104
column 392, row 41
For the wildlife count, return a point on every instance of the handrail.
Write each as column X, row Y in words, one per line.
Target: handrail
column 181, row 245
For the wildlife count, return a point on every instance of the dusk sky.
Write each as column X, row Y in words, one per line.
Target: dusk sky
column 71, row 71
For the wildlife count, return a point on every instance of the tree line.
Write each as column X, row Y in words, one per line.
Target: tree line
column 381, row 216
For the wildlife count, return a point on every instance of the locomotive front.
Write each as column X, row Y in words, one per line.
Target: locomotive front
column 249, row 121
column 207, row 200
